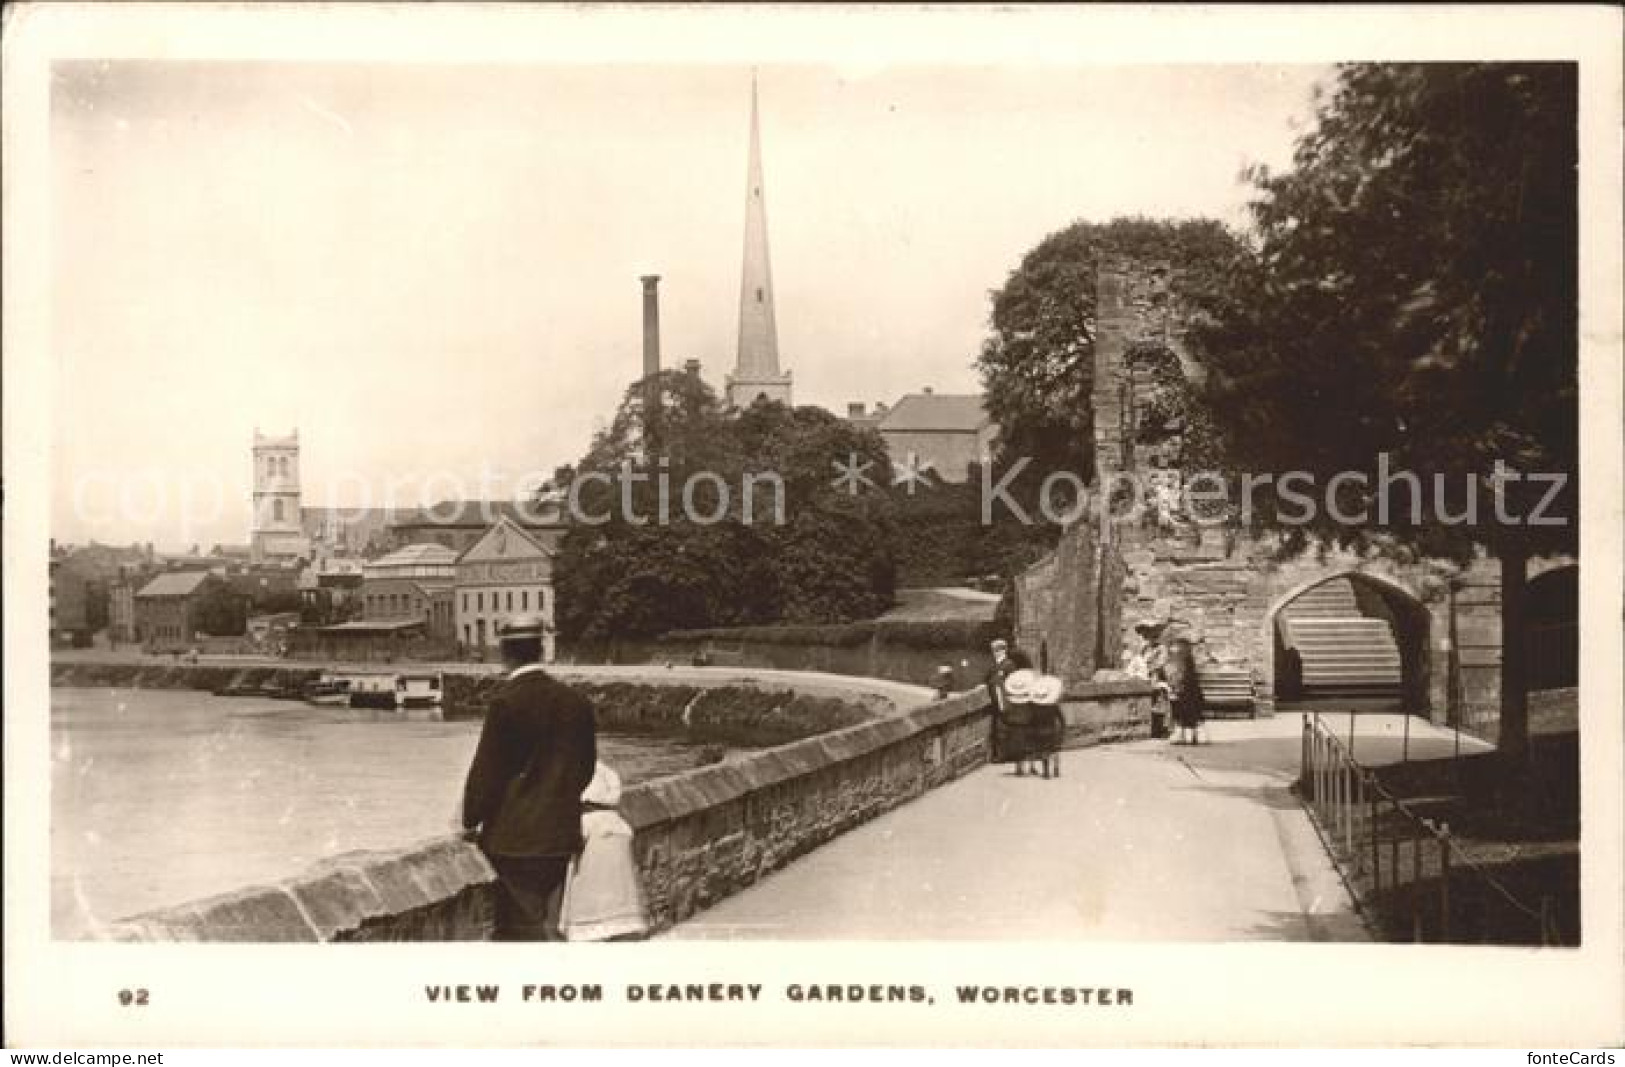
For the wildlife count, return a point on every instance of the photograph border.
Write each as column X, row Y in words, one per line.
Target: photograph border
column 65, row 994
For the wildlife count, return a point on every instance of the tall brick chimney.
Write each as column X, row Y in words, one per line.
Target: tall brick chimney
column 651, row 356
column 651, row 324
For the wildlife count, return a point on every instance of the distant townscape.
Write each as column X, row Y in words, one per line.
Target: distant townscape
column 436, row 582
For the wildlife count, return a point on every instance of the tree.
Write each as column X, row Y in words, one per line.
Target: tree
column 688, row 534
column 275, row 602
column 1037, row 365
column 1413, row 293
column 221, row 612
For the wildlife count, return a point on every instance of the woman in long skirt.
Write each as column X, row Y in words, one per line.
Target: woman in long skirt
column 1184, row 691
column 1014, row 722
column 1049, row 724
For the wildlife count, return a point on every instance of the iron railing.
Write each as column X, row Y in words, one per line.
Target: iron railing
column 1407, row 872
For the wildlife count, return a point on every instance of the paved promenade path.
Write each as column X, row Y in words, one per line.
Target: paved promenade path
column 1140, row 841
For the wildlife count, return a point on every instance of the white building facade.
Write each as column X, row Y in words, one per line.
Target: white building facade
column 506, row 572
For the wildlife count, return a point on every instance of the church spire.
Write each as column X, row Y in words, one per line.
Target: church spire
column 756, row 374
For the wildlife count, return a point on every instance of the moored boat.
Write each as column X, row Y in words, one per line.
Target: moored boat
column 421, row 690
column 330, row 689
column 399, row 691
column 373, row 691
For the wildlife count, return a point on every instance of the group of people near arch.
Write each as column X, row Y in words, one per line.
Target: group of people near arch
column 1029, row 726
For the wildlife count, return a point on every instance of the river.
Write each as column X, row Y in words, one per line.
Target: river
column 162, row 796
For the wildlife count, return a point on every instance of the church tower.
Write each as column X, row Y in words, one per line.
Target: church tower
column 278, row 523
column 757, row 374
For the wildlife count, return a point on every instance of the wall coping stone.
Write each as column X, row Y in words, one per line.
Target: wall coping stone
column 666, row 799
column 339, row 893
column 1127, row 687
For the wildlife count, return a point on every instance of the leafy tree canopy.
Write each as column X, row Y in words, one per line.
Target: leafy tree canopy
column 220, row 612
column 1413, row 293
column 741, row 522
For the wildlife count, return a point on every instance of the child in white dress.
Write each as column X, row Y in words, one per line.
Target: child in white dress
column 603, row 899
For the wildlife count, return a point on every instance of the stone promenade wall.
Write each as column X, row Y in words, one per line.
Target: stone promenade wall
column 700, row 836
column 436, row 891
column 1100, row 713
column 876, row 655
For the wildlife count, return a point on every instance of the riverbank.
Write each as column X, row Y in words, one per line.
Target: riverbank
column 725, row 706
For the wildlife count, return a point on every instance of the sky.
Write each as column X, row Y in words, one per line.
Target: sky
column 432, row 270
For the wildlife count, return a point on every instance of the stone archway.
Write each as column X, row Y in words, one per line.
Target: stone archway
column 1351, row 638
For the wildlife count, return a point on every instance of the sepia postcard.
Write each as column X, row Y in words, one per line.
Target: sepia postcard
column 690, row 525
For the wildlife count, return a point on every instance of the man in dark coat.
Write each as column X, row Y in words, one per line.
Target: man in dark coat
column 1006, row 661
column 536, row 755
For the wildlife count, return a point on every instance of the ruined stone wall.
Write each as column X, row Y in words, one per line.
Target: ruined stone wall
column 1133, row 306
column 1224, row 593
column 1069, row 605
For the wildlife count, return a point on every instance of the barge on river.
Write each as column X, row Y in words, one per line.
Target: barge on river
column 399, row 690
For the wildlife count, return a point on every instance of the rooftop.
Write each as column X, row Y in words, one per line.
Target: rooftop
column 424, row 555
column 366, row 626
column 175, row 583
column 481, row 513
column 936, row 411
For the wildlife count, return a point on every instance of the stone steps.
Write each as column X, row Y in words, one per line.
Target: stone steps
column 1343, row 652
column 1226, row 686
column 1333, row 599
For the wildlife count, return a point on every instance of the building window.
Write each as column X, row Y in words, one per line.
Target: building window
column 758, row 296
column 524, row 600
column 479, row 601
column 465, row 601
column 510, row 600
column 276, row 510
